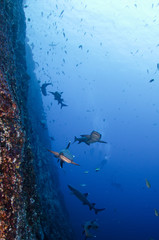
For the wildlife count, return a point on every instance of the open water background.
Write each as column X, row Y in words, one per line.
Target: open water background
column 106, row 86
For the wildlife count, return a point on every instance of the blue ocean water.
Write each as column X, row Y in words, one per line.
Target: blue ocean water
column 103, row 55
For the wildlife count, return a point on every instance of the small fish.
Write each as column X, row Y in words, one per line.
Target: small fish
column 151, row 80
column 86, row 172
column 80, row 46
column 157, row 66
column 147, row 183
column 97, row 169
column 83, row 185
column 156, row 213
column 52, row 138
column 53, row 44
column 61, row 13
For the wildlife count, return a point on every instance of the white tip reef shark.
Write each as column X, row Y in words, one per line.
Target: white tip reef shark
column 58, row 98
column 83, row 198
column 64, row 156
column 88, row 139
column 43, row 88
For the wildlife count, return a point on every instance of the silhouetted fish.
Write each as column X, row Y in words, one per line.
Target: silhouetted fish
column 151, row 80
column 83, row 198
column 58, row 98
column 43, row 88
column 61, row 13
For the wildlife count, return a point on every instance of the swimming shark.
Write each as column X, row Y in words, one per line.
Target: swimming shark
column 43, row 88
column 90, row 225
column 88, row 139
column 57, row 96
column 83, row 198
column 64, row 156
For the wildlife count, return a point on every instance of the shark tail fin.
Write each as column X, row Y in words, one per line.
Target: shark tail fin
column 98, row 210
column 63, row 105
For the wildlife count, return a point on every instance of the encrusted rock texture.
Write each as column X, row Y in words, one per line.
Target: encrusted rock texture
column 31, row 204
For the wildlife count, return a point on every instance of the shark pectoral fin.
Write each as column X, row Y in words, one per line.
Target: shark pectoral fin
column 75, row 163
column 102, row 141
column 68, row 145
column 55, row 153
column 85, row 194
column 61, row 163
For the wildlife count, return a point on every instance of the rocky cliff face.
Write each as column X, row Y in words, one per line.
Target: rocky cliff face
column 31, row 205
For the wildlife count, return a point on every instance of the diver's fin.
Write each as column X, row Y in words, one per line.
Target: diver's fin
column 85, row 194
column 102, row 141
column 68, row 145
column 98, row 210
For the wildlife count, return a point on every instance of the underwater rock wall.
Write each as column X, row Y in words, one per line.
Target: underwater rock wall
column 31, row 204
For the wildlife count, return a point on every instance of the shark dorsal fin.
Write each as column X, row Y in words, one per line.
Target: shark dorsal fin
column 85, row 194
column 86, row 136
